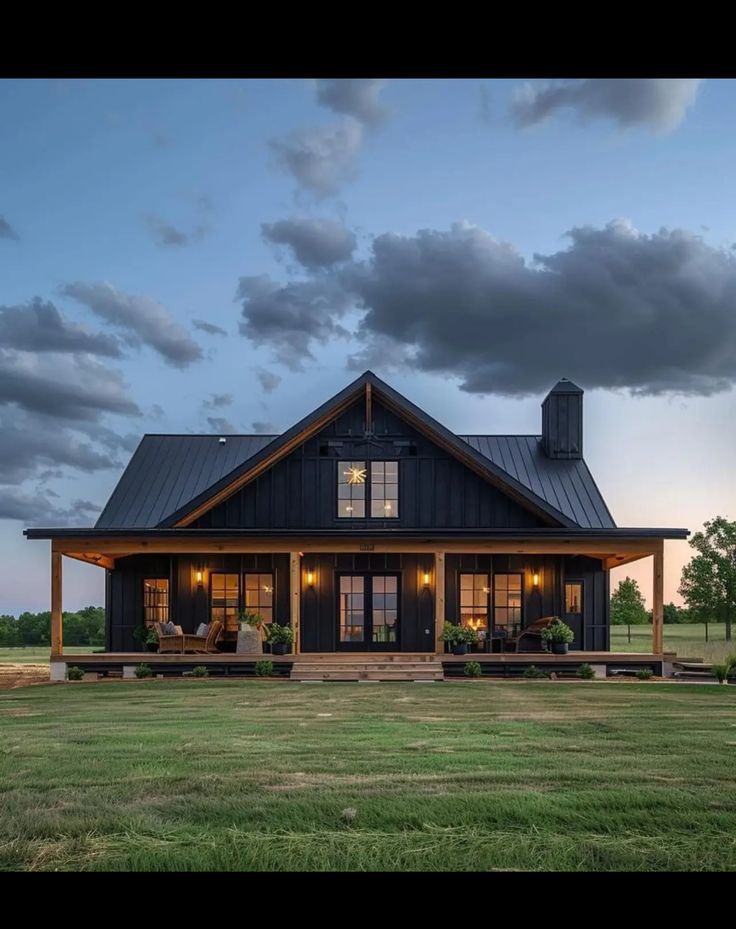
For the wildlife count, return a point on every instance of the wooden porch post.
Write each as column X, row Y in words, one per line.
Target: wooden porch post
column 295, row 602
column 439, row 600
column 658, row 600
column 57, row 642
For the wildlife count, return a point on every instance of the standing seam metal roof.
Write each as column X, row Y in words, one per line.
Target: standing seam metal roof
column 166, row 472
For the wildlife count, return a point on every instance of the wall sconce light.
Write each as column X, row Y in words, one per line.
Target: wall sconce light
column 199, row 578
column 310, row 578
column 535, row 580
column 425, row 578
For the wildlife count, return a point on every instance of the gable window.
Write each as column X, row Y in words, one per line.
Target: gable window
column 258, row 594
column 351, row 484
column 385, row 489
column 155, row 600
column 474, row 602
column 224, row 600
column 364, row 486
column 507, row 602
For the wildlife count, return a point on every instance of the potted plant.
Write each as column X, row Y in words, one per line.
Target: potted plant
column 147, row 637
column 458, row 637
column 279, row 638
column 250, row 637
column 558, row 636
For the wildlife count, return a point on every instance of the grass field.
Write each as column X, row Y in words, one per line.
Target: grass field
column 192, row 775
column 687, row 640
column 31, row 654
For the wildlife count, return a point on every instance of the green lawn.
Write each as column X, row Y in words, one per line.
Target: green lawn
column 687, row 640
column 255, row 775
column 32, row 654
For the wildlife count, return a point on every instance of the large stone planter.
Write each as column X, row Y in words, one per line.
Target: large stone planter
column 249, row 641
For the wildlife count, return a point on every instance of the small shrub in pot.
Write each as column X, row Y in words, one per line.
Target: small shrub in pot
column 558, row 636
column 280, row 638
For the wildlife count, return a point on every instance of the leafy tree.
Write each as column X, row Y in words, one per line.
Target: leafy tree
column 675, row 614
column 9, row 635
column 627, row 604
column 35, row 628
column 708, row 583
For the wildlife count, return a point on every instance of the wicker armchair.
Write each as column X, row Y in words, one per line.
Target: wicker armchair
column 169, row 643
column 530, row 638
column 204, row 644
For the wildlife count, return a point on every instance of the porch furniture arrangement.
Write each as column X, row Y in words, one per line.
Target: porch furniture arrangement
column 168, row 642
column 530, row 639
column 204, row 644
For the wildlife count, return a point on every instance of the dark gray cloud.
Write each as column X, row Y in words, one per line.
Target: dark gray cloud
column 146, row 320
column 209, row 328
column 74, row 388
column 39, row 327
column 616, row 309
column 7, row 231
column 220, row 424
column 263, row 428
column 38, row 508
column 322, row 158
column 217, row 401
column 658, row 103
column 268, row 379
column 291, row 317
column 316, row 243
column 354, row 96
column 164, row 233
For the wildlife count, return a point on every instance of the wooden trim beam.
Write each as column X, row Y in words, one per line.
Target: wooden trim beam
column 295, row 591
column 439, row 600
column 658, row 600
column 607, row 550
column 101, row 561
column 369, row 408
column 57, row 639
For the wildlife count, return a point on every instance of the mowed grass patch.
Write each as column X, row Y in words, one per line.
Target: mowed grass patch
column 687, row 640
column 197, row 775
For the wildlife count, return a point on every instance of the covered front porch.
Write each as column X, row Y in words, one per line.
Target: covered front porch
column 307, row 592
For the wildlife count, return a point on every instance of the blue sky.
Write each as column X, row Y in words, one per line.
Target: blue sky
column 97, row 176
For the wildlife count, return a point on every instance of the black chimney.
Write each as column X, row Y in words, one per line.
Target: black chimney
column 562, row 421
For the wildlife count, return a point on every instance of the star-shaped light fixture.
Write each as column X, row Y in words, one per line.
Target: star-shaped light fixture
column 355, row 475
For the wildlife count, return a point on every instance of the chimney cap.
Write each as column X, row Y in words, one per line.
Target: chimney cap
column 563, row 386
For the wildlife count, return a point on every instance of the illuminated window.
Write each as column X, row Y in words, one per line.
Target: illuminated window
column 155, row 600
column 385, row 489
column 351, row 484
column 353, row 480
column 352, row 608
column 224, row 600
column 259, row 595
column 474, row 601
column 384, row 608
column 574, row 597
column 507, row 602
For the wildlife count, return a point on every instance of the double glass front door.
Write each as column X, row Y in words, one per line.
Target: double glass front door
column 368, row 612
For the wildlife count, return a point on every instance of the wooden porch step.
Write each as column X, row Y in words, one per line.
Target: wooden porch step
column 366, row 670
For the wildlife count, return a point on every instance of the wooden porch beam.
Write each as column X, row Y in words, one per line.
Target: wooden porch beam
column 439, row 600
column 57, row 640
column 295, row 588
column 658, row 600
column 101, row 561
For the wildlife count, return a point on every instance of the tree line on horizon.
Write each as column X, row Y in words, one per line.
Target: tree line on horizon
column 83, row 627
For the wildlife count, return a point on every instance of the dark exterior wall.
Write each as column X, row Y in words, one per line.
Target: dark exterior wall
column 435, row 489
column 189, row 605
column 319, row 609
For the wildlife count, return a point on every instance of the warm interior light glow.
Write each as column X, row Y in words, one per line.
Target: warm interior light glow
column 355, row 475
column 426, row 578
column 199, row 578
column 536, row 580
column 310, row 578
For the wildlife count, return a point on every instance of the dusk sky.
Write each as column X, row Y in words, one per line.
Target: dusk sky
column 225, row 255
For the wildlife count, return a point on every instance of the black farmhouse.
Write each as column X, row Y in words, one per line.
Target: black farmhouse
column 365, row 526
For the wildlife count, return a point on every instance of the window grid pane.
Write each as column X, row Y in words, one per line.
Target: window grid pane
column 259, row 595
column 384, row 489
column 507, row 602
column 573, row 597
column 224, row 600
column 155, row 600
column 474, row 602
column 352, row 615
column 351, row 477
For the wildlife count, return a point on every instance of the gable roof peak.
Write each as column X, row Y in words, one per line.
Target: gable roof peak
column 564, row 386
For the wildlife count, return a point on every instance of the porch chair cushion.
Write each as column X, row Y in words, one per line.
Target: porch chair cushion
column 202, row 629
column 168, row 628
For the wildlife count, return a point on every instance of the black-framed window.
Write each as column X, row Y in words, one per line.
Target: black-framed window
column 475, row 602
column 368, row 486
column 224, row 599
column 155, row 600
column 384, row 607
column 351, row 485
column 573, row 597
column 385, row 489
column 352, row 607
column 507, row 598
column 258, row 595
